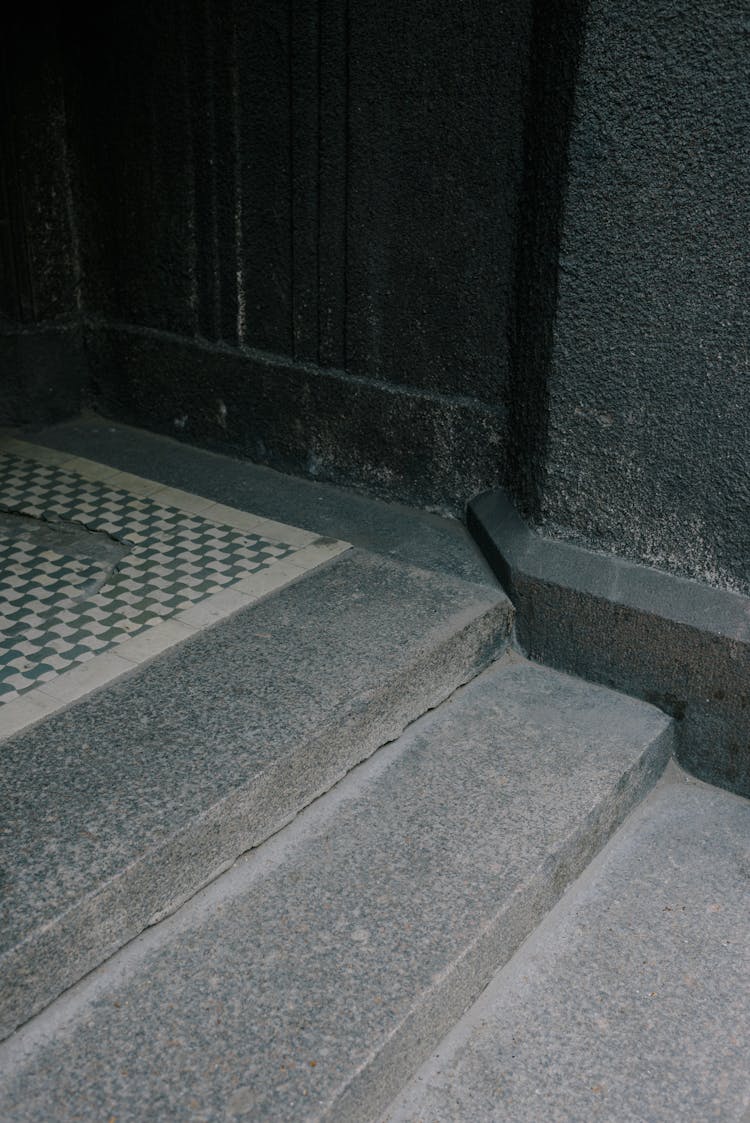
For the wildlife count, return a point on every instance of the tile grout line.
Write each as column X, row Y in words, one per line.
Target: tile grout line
column 46, row 701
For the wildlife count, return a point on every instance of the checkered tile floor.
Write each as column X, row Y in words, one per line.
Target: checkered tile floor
column 175, row 560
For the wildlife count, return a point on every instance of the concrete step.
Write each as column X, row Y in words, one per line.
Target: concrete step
column 121, row 807
column 309, row 981
column 631, row 1002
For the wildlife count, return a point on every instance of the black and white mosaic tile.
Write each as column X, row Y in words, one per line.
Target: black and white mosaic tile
column 60, row 608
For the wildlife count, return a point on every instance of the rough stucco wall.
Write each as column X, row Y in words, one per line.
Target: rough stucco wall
column 435, row 160
column 325, row 180
column 329, row 184
column 648, row 442
column 181, row 125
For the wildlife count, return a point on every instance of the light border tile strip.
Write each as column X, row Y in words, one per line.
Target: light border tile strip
column 307, row 551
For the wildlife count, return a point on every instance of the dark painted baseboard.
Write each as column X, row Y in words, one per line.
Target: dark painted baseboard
column 425, row 449
column 679, row 644
column 43, row 373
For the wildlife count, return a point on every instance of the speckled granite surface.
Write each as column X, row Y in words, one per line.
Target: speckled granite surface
column 122, row 806
column 312, row 979
column 632, row 1001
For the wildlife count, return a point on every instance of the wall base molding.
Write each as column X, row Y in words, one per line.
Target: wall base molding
column 418, row 447
column 679, row 644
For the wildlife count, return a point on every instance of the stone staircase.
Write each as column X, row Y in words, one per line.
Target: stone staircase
column 123, row 806
column 630, row 1001
column 347, row 855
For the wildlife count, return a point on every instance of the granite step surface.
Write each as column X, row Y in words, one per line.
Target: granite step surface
column 310, row 980
column 631, row 1001
column 118, row 809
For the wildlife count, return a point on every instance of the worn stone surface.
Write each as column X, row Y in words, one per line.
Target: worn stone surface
column 404, row 533
column 316, row 975
column 121, row 807
column 679, row 644
column 632, row 1000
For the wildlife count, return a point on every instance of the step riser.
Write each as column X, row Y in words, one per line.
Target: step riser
column 374, row 1088
column 630, row 1001
column 678, row 644
column 317, row 975
column 44, row 966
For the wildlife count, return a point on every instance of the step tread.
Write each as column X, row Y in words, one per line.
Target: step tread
column 632, row 1001
column 310, row 980
column 123, row 805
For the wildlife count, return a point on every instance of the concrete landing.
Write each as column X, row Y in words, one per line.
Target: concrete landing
column 405, row 534
column 118, row 809
column 632, row 1001
column 310, row 980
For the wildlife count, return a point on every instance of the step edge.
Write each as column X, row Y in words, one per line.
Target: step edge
column 378, row 1082
column 675, row 642
column 480, row 639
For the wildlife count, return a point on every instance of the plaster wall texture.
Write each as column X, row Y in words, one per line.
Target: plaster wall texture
column 330, row 188
column 647, row 448
column 325, row 235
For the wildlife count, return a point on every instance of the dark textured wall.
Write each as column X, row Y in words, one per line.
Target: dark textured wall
column 437, row 95
column 42, row 363
column 422, row 249
column 647, row 443
column 327, row 188
column 181, row 124
column 556, row 39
